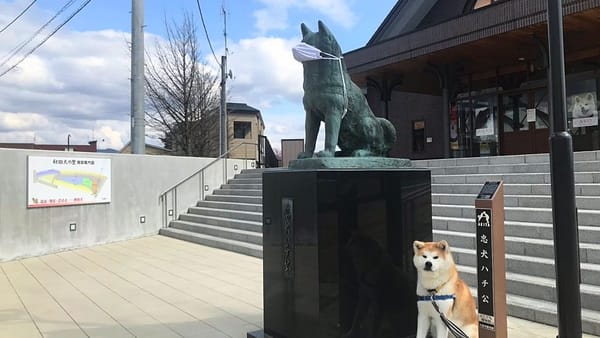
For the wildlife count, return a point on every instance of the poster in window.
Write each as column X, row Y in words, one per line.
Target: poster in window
column 61, row 181
column 484, row 122
column 454, row 127
column 418, row 136
column 583, row 109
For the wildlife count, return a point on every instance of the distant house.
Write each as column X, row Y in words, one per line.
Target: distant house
column 88, row 148
column 245, row 125
column 150, row 150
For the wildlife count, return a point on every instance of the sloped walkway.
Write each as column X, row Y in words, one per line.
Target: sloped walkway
column 149, row 287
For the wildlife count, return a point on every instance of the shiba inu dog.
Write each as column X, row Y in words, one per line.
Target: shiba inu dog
column 437, row 277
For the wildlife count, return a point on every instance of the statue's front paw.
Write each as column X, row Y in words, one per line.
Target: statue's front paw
column 363, row 153
column 325, row 153
column 305, row 155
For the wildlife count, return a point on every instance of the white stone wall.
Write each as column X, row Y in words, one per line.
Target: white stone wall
column 137, row 182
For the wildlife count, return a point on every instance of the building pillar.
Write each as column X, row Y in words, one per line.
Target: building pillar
column 443, row 75
column 446, row 112
column 385, row 87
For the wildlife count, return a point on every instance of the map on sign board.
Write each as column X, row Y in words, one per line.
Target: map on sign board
column 61, row 181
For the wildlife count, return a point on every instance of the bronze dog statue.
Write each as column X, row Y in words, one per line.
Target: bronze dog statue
column 331, row 96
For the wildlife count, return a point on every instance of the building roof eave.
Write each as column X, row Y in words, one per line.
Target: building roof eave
column 483, row 23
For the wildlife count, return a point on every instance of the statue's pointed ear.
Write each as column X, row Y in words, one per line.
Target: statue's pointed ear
column 323, row 28
column 304, row 29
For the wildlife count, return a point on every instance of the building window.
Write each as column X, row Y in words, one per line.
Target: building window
column 242, row 129
column 418, row 136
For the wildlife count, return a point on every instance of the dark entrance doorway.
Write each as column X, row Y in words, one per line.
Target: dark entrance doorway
column 525, row 122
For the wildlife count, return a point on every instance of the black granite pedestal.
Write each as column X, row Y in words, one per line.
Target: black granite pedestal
column 337, row 251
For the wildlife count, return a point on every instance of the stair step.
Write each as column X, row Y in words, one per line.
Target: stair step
column 244, row 180
column 587, row 234
column 250, row 176
column 536, row 287
column 581, row 189
column 235, row 199
column 527, row 201
column 247, row 175
column 252, row 207
column 588, row 252
column 534, row 266
column 543, row 215
column 538, row 178
column 220, row 221
column 582, row 166
column 541, row 311
column 238, row 192
column 219, row 231
column 214, row 242
column 227, row 213
column 545, row 312
column 579, row 156
column 235, row 185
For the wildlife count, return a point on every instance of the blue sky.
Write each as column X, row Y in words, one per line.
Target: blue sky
column 352, row 33
column 77, row 83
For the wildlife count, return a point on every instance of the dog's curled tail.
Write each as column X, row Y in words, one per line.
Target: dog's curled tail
column 389, row 134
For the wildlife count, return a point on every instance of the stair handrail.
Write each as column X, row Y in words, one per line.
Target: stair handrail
column 162, row 197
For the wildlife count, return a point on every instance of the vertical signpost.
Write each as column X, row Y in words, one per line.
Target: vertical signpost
column 491, row 266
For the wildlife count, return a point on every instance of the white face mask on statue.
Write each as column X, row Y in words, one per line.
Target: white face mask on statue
column 304, row 52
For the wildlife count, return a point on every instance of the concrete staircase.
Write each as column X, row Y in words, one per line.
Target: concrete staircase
column 531, row 292
column 229, row 219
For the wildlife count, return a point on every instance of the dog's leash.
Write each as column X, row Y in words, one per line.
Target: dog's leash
column 454, row 329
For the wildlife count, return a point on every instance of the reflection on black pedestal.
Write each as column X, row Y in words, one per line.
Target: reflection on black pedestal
column 338, row 251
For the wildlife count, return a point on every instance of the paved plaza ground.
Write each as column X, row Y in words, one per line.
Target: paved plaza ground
column 148, row 287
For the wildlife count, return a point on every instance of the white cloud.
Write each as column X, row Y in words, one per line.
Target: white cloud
column 78, row 82
column 265, row 72
column 274, row 14
column 72, row 82
column 109, row 136
column 288, row 125
column 21, row 122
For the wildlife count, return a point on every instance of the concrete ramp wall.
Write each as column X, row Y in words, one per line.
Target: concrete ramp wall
column 136, row 183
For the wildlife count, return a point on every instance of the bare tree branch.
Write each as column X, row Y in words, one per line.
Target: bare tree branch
column 182, row 93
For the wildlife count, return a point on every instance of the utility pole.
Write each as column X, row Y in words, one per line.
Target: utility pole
column 564, row 210
column 223, row 111
column 138, row 143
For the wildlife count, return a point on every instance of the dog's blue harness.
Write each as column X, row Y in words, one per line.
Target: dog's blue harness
column 435, row 297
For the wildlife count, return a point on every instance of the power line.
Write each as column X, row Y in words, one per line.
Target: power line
column 47, row 37
column 18, row 16
column 206, row 32
column 20, row 47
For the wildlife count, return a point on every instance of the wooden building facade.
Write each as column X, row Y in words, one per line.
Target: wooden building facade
column 462, row 78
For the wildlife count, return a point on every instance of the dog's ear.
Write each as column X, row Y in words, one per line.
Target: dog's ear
column 443, row 245
column 324, row 29
column 305, row 30
column 418, row 246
